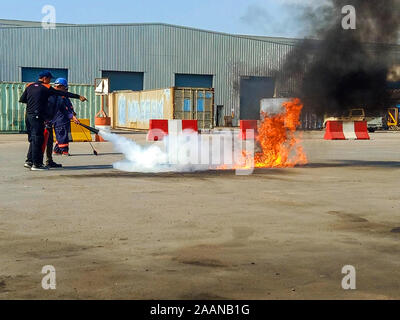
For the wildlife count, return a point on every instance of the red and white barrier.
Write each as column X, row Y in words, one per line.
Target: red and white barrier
column 161, row 128
column 346, row 130
column 246, row 125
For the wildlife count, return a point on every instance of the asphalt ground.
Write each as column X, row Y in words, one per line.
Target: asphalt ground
column 275, row 234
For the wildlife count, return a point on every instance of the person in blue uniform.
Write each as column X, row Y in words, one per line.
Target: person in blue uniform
column 62, row 115
column 36, row 97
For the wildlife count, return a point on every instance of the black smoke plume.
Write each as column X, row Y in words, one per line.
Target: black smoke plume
column 346, row 69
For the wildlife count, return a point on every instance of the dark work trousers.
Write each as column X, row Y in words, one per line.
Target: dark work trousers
column 49, row 146
column 62, row 137
column 35, row 128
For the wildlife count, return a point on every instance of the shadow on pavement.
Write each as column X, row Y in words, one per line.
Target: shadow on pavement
column 90, row 167
column 194, row 174
column 272, row 172
column 354, row 163
column 92, row 155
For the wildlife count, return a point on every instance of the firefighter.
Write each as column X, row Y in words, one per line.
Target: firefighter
column 63, row 114
column 36, row 97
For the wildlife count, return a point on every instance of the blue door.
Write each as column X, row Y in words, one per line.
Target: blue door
column 193, row 80
column 32, row 74
column 252, row 91
column 124, row 80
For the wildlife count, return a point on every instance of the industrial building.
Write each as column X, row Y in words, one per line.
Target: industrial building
column 149, row 56
column 241, row 69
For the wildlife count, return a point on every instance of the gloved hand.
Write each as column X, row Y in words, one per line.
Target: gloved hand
column 75, row 119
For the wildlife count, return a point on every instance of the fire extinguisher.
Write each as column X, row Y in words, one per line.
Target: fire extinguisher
column 46, row 138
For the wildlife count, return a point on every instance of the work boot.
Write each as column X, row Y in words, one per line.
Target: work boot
column 52, row 164
column 28, row 164
column 39, row 168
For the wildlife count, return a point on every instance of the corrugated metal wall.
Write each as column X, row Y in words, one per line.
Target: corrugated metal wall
column 310, row 121
column 158, row 50
column 12, row 113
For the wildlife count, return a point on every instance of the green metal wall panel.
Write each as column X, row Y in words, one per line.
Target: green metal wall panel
column 88, row 109
column 12, row 113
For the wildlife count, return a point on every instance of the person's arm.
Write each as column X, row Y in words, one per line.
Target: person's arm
column 55, row 92
column 24, row 97
column 71, row 112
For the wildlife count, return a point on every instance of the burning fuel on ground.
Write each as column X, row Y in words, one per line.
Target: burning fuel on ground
column 280, row 143
column 277, row 137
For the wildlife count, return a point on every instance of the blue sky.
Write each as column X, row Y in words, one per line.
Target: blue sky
column 256, row 17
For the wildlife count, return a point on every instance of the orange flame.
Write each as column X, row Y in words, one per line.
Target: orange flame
column 281, row 147
column 279, row 141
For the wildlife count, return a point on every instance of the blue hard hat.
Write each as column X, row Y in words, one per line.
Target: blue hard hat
column 61, row 82
column 45, row 74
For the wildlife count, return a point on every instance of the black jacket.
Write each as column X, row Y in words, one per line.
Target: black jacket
column 36, row 96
